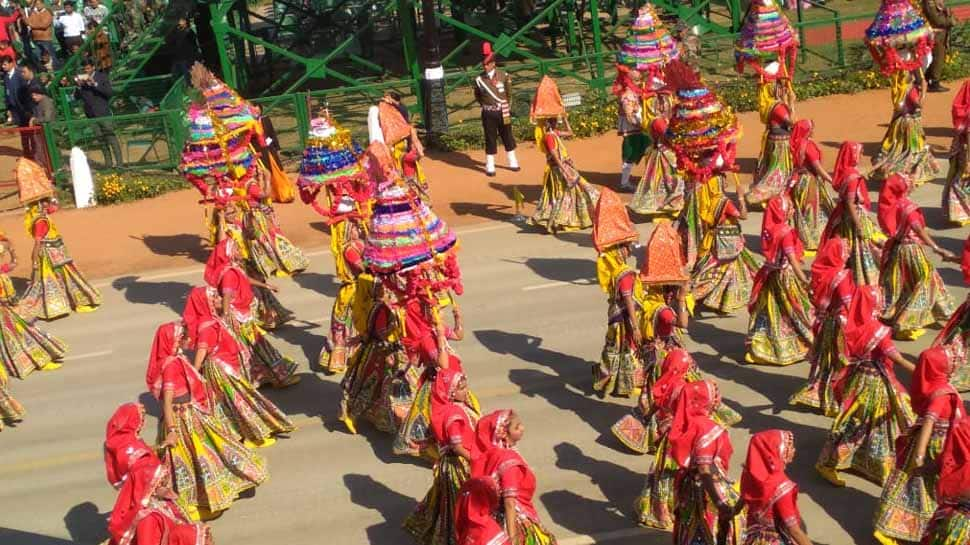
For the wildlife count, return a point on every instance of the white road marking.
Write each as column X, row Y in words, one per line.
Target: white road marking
column 556, row 285
column 89, row 355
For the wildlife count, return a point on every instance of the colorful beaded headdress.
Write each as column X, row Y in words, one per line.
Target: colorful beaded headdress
column 899, row 38
column 766, row 36
column 611, row 222
column 700, row 122
column 332, row 160
column 403, row 232
column 220, row 130
column 649, row 46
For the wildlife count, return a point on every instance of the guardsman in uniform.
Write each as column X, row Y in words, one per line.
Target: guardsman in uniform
column 942, row 20
column 493, row 90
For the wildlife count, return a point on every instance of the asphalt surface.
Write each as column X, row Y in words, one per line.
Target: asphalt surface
column 534, row 322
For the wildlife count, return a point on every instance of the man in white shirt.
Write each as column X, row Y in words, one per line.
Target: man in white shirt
column 73, row 24
column 95, row 12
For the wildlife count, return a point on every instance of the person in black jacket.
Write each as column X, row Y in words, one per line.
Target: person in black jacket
column 183, row 47
column 12, row 85
column 94, row 92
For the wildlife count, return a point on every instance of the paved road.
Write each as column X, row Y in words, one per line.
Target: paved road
column 535, row 322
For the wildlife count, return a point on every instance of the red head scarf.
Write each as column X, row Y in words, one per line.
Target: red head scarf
column 763, row 480
column 892, row 194
column 492, row 430
column 134, row 500
column 198, row 310
column 775, row 229
column 863, row 330
column 960, row 111
column 798, row 142
column 122, row 445
column 443, row 408
column 930, row 379
column 692, row 420
column 954, row 463
column 624, row 82
column 474, row 523
column 165, row 352
column 828, row 271
column 846, row 163
column 222, row 270
column 672, row 377
column 419, row 339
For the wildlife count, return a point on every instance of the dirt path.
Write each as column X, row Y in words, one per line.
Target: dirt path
column 167, row 232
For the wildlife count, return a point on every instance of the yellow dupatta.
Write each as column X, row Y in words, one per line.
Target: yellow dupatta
column 33, row 214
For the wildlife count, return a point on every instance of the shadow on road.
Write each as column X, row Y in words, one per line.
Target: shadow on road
column 299, row 333
column 86, row 524
column 185, row 245
column 18, row 537
column 559, row 269
column 320, row 283
column 169, row 294
column 393, row 506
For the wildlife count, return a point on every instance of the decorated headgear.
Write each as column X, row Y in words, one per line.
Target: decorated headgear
column 899, row 38
column 403, row 231
column 766, row 36
column 649, row 46
column 547, row 102
column 33, row 183
column 332, row 160
column 611, row 222
column 487, row 54
column 663, row 260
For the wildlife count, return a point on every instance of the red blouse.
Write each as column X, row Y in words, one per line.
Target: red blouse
column 41, row 228
column 219, row 344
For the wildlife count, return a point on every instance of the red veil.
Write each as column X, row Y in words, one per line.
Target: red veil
column 122, row 445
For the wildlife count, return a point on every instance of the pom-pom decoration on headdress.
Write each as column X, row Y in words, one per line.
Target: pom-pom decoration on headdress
column 649, row 46
column 766, row 36
column 899, row 38
column 331, row 161
column 702, row 130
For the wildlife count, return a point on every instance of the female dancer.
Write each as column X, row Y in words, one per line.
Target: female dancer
column 620, row 370
column 955, row 336
column 832, row 289
column 222, row 361
column 223, row 273
column 11, row 411
column 705, row 497
column 474, row 523
column 770, row 497
column 956, row 191
column 775, row 162
column 432, row 522
column 23, row 348
column 780, row 325
column 56, row 287
column 915, row 294
column 271, row 312
column 428, row 347
column 272, row 253
column 909, row 497
column 951, row 522
column 209, row 465
column 904, row 147
column 851, row 219
column 724, row 274
column 370, row 378
column 567, row 199
column 123, row 445
column 661, row 189
column 808, row 190
column 516, row 481
column 873, row 407
column 349, row 267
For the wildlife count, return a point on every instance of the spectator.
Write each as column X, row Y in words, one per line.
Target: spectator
column 183, row 47
column 46, row 61
column 28, row 84
column 73, row 24
column 40, row 19
column 94, row 91
column 942, row 20
column 7, row 50
column 12, row 84
column 5, row 21
column 95, row 12
column 44, row 78
column 100, row 48
column 42, row 113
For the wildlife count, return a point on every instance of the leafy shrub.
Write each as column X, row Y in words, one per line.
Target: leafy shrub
column 112, row 188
